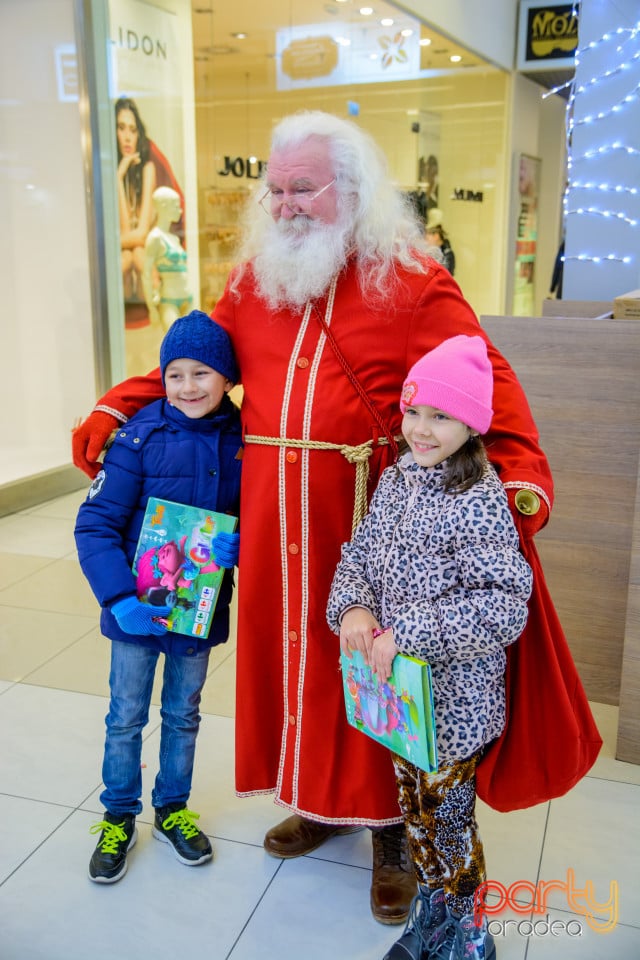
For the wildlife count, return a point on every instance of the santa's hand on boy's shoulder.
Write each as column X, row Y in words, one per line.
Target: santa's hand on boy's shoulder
column 135, row 617
column 89, row 439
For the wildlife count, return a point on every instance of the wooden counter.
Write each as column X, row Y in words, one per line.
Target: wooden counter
column 582, row 379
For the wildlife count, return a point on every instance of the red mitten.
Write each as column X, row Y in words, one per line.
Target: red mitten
column 530, row 512
column 89, row 440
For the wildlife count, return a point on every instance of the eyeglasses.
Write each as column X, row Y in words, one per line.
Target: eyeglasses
column 299, row 201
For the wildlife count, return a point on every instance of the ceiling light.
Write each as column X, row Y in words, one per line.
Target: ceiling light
column 455, row 58
column 386, row 22
column 239, row 36
column 366, row 11
column 425, row 42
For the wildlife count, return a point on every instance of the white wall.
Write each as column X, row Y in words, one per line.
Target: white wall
column 488, row 27
column 45, row 335
column 590, row 234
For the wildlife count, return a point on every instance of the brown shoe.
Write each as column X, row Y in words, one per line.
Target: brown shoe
column 393, row 883
column 296, row 836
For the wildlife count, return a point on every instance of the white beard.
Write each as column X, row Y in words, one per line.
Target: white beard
column 298, row 259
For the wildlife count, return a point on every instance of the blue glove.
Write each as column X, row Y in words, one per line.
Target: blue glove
column 226, row 547
column 133, row 616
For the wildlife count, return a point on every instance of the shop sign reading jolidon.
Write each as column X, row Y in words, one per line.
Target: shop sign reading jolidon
column 250, row 168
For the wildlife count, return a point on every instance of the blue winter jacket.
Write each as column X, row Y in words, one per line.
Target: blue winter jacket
column 162, row 453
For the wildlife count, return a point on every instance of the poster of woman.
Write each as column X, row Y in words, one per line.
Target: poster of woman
column 136, row 184
column 146, row 91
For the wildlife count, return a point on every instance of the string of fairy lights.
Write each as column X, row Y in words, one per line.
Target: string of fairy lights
column 602, row 194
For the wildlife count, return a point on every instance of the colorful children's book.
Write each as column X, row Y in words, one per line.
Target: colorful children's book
column 397, row 712
column 174, row 564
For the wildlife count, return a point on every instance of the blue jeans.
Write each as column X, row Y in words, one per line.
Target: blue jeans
column 131, row 681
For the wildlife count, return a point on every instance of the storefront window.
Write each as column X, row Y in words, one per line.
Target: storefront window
column 440, row 122
column 46, row 332
column 208, row 97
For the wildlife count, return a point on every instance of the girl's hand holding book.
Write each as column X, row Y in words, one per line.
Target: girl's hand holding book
column 383, row 653
column 357, row 630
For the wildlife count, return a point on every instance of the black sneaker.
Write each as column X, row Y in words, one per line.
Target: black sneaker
column 427, row 913
column 109, row 860
column 458, row 938
column 175, row 825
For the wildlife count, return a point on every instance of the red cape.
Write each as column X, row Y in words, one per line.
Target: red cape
column 550, row 740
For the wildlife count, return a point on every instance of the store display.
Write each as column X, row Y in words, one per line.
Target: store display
column 219, row 238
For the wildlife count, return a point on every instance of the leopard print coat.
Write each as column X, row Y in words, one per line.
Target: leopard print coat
column 445, row 572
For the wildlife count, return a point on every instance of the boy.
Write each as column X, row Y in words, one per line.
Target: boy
column 186, row 448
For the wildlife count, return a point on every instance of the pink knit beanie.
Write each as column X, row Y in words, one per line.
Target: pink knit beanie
column 456, row 377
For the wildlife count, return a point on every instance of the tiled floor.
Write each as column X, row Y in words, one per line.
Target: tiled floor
column 245, row 905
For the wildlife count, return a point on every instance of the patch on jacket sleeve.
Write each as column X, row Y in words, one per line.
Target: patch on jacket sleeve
column 97, row 484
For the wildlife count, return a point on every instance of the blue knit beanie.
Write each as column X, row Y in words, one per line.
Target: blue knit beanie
column 198, row 337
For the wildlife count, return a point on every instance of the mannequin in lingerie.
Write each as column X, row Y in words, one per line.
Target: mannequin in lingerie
column 164, row 275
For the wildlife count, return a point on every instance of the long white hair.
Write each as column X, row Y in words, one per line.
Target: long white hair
column 384, row 229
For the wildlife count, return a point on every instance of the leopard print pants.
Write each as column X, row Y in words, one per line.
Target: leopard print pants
column 439, row 816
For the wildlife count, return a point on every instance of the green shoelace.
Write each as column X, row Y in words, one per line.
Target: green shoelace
column 113, row 835
column 184, row 821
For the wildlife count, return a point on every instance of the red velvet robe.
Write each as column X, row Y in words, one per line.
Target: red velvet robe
column 296, row 511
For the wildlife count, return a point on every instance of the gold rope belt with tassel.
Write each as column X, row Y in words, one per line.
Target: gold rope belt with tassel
column 359, row 455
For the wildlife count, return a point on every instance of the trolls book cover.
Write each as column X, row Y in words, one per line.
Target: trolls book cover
column 398, row 711
column 174, row 564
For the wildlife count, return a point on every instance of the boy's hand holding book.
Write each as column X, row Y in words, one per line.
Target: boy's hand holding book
column 133, row 616
column 226, row 548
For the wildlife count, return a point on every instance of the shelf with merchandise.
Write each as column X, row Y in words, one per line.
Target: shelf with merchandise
column 220, row 234
column 223, row 207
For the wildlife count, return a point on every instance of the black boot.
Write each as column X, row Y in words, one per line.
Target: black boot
column 428, row 911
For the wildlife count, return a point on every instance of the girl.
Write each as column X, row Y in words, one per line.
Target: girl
column 434, row 571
